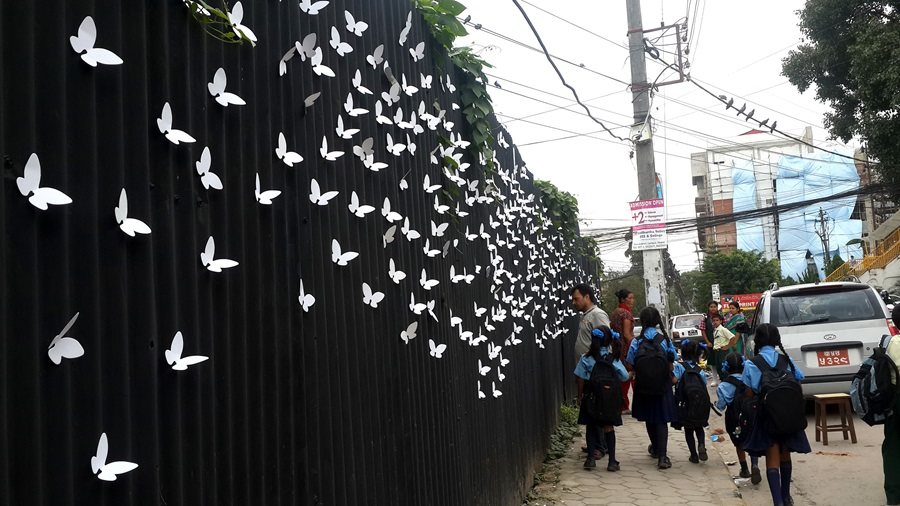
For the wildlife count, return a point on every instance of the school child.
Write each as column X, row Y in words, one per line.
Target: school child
column 651, row 357
column 691, row 401
column 730, row 394
column 600, row 375
column 780, row 424
column 721, row 345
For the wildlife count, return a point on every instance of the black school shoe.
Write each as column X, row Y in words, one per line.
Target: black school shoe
column 788, row 501
column 745, row 473
column 613, row 466
column 755, row 476
column 652, row 452
column 703, row 455
column 693, row 459
column 664, row 463
column 590, row 463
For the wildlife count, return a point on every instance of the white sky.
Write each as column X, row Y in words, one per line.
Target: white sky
column 737, row 49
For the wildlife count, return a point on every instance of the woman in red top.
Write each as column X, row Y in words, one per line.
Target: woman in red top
column 622, row 321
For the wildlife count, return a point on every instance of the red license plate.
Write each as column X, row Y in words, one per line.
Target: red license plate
column 833, row 357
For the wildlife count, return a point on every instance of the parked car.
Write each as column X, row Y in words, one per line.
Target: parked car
column 827, row 328
column 637, row 326
column 686, row 326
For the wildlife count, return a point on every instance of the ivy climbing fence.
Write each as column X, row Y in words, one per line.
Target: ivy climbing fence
column 268, row 274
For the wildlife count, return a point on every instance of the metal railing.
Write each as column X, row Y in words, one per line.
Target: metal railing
column 883, row 254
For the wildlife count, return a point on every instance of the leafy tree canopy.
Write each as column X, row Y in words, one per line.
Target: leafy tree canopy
column 742, row 271
column 852, row 56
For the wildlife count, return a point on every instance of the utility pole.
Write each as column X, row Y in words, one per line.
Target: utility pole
column 823, row 234
column 654, row 275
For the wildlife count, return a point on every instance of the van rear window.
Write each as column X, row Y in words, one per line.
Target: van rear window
column 821, row 306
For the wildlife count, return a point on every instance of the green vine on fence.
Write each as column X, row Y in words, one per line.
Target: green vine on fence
column 216, row 23
column 441, row 16
column 562, row 212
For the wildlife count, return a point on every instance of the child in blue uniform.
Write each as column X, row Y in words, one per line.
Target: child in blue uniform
column 603, row 342
column 777, row 449
column 656, row 411
column 731, row 386
column 690, row 354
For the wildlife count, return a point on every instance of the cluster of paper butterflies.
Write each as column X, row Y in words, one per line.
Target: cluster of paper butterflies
column 536, row 292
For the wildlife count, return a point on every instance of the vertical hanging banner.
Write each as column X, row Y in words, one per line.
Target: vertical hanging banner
column 648, row 224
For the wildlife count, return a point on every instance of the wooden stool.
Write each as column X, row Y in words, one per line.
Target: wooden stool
column 846, row 426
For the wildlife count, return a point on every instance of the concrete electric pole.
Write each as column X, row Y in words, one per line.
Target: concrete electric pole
column 654, row 275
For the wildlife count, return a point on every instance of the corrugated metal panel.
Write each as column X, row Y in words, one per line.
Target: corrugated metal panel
column 321, row 407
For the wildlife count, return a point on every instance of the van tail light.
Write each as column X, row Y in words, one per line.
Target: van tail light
column 892, row 328
column 675, row 334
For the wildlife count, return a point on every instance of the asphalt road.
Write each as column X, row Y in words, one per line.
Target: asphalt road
column 839, row 474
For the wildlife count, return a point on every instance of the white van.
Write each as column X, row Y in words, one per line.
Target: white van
column 827, row 328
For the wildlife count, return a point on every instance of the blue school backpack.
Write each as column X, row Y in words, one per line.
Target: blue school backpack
column 741, row 412
column 692, row 398
column 604, row 402
column 872, row 392
column 781, row 397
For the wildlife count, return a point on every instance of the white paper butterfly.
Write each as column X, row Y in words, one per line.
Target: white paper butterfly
column 306, row 49
column 282, row 64
column 493, row 351
column 483, row 370
column 419, row 52
column 174, row 358
column 370, row 298
column 376, row 58
column 356, row 209
column 415, row 307
column 109, row 471
column 409, row 89
column 338, row 257
column 312, row 8
column 306, row 299
column 351, row 109
column 390, row 216
column 310, row 100
column 497, row 393
column 440, row 208
column 317, row 197
column 84, row 43
column 342, row 48
column 317, row 66
column 389, row 235
column 356, row 27
column 65, row 347
column 164, row 123
column 288, row 157
column 479, row 310
column 207, row 258
column 436, row 350
column 217, row 90
column 394, row 149
column 209, row 179
column 379, row 117
column 426, row 283
column 438, row 230
column 30, row 186
column 372, row 165
column 357, row 83
column 265, row 197
column 427, row 186
column 236, row 17
column 425, row 82
column 430, row 253
column 365, row 149
column 404, row 185
column 408, row 232
column 395, row 275
column 342, row 132
column 128, row 225
column 480, row 393
column 392, row 96
column 405, row 32
column 409, row 333
column 329, row 155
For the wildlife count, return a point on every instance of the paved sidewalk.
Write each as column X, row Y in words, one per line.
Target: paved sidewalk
column 640, row 483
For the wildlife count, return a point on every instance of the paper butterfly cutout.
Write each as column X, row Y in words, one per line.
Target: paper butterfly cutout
column 379, row 117
column 316, row 196
column 83, row 44
column 497, row 393
column 265, row 197
column 425, row 82
column 364, row 150
column 430, row 253
column 409, row 333
column 395, row 275
column 351, row 110
column 436, row 350
column 408, row 232
column 174, row 358
column 390, row 216
column 207, row 258
column 416, row 307
column 389, row 235
column 164, row 123
column 312, row 8
column 377, row 57
column 342, row 48
column 65, row 347
column 108, row 472
column 329, row 155
column 483, row 370
column 217, row 90
column 370, row 298
column 426, row 283
column 30, row 186
column 419, row 52
column 288, row 157
column 427, row 186
column 355, row 27
column 394, row 149
column 306, row 299
column 235, row 17
column 480, row 393
column 342, row 132
column 405, row 32
column 310, row 100
column 208, row 179
column 338, row 257
column 357, row 83
column 358, row 210
column 306, row 49
column 282, row 64
column 128, row 225
column 440, row 208
column 317, row 66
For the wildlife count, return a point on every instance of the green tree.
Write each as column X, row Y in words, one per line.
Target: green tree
column 616, row 281
column 836, row 261
column 852, row 56
column 741, row 271
column 697, row 287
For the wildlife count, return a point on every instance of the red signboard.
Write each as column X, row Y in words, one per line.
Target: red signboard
column 748, row 301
